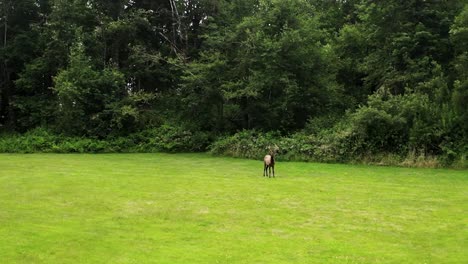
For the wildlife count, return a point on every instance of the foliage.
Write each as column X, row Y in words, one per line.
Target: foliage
column 356, row 78
column 254, row 144
column 169, row 138
column 87, row 97
column 163, row 139
column 247, row 144
column 459, row 36
column 345, row 142
column 394, row 123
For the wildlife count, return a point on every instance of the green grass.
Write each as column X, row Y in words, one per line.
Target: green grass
column 194, row 208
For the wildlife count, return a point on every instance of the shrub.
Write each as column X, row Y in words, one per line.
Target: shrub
column 378, row 131
column 169, row 138
column 36, row 140
column 246, row 144
column 349, row 140
column 163, row 139
column 253, row 144
column 342, row 143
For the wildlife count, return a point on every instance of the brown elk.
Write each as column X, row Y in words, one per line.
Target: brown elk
column 269, row 162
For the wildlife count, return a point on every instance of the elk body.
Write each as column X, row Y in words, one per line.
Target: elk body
column 269, row 163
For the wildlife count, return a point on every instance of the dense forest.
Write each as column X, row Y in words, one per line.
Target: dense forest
column 327, row 80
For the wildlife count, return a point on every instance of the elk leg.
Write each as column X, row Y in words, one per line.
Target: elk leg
column 273, row 171
column 264, row 170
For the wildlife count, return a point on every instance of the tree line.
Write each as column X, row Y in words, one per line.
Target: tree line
column 389, row 76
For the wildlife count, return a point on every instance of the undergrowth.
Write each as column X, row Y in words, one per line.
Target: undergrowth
column 338, row 147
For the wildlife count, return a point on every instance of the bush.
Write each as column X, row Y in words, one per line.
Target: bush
column 83, row 145
column 360, row 137
column 246, row 144
column 253, row 144
column 163, row 139
column 36, row 140
column 342, row 143
column 378, row 131
column 169, row 138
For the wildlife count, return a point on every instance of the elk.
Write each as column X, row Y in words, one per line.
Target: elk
column 269, row 162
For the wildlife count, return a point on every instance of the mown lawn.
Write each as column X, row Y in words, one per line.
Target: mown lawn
column 194, row 208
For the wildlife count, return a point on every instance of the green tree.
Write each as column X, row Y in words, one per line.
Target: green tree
column 203, row 98
column 407, row 41
column 33, row 100
column 87, row 97
column 277, row 69
column 18, row 46
column 459, row 37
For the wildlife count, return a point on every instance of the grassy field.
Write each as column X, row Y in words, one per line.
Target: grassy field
column 194, row 208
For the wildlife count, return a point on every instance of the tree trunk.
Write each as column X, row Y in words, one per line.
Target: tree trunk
column 245, row 113
column 220, row 121
column 178, row 34
column 5, row 99
column 4, row 85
